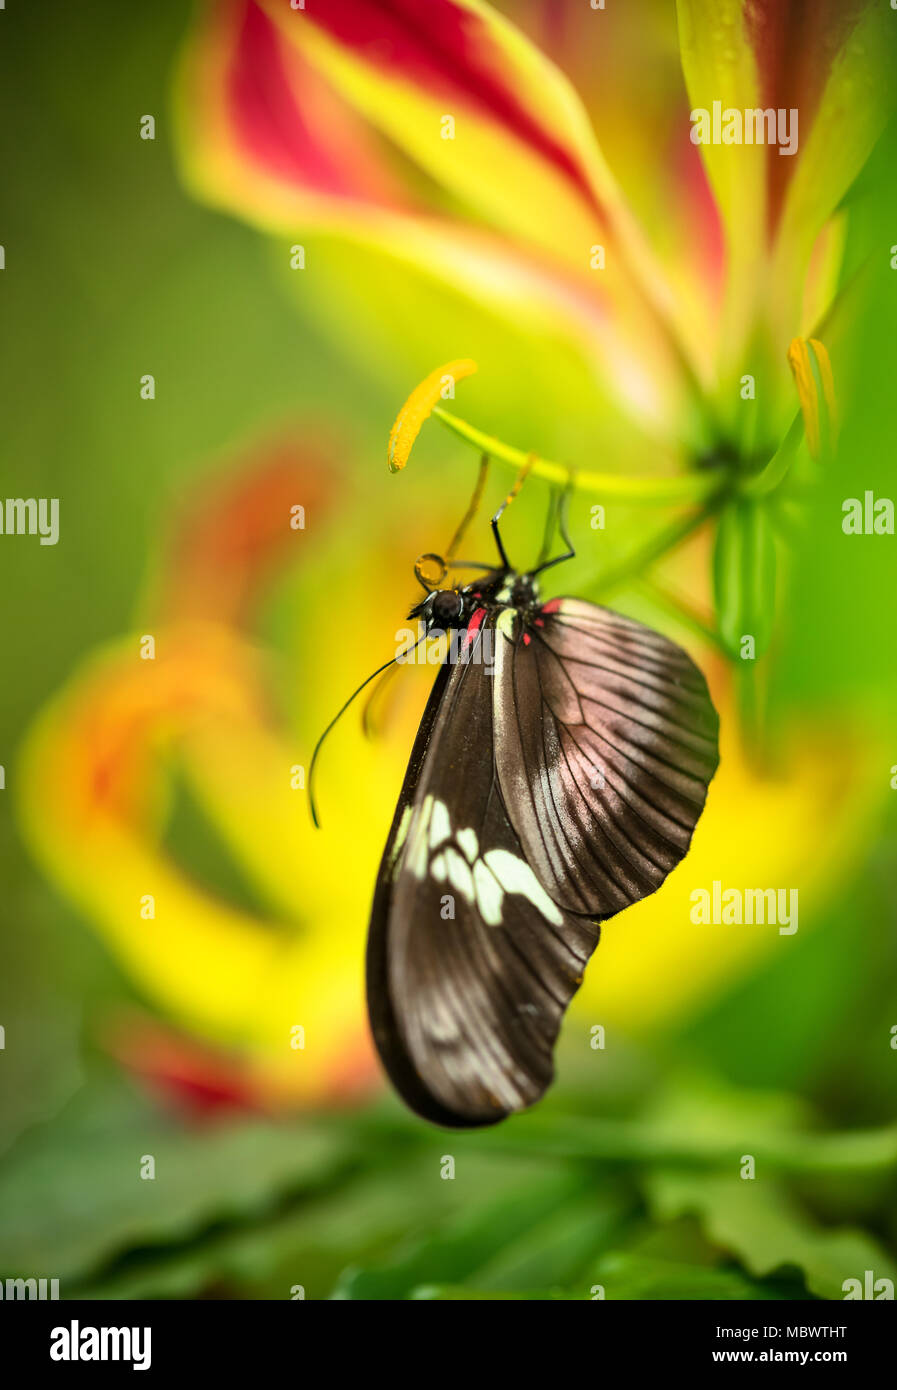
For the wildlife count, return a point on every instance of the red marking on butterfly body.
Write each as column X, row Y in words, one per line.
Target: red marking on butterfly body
column 473, row 628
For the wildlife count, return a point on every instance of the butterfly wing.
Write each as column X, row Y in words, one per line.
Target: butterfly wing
column 605, row 744
column 470, row 963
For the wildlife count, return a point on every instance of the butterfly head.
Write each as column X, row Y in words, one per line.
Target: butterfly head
column 444, row 610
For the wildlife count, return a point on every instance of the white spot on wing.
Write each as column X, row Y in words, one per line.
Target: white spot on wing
column 416, row 859
column 481, row 881
column 489, row 894
column 459, row 874
column 440, row 826
column 516, row 876
column 467, row 840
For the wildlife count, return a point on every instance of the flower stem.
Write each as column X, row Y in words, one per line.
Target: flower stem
column 645, row 1141
column 689, row 487
column 769, row 478
column 660, row 544
column 870, row 1151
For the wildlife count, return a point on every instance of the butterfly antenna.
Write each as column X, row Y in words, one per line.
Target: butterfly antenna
column 337, row 717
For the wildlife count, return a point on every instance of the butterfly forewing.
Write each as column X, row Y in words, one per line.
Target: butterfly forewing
column 605, row 743
column 471, row 963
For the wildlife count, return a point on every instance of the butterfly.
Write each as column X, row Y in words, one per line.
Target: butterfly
column 557, row 776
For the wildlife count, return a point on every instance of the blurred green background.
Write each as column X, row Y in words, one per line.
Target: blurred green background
column 627, row 1175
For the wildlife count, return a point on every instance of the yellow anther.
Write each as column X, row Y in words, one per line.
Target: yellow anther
column 816, row 392
column 439, row 385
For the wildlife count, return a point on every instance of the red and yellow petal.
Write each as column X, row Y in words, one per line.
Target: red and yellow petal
column 509, row 211
column 453, row 89
column 262, row 123
column 229, row 536
column 95, row 783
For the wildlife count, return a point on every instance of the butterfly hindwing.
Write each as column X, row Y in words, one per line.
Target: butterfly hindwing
column 471, row 963
column 606, row 741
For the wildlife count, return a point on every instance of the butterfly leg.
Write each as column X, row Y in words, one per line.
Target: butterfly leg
column 550, row 526
column 562, row 510
column 518, row 484
column 472, row 508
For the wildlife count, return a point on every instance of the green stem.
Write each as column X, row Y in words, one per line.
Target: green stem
column 751, row 705
column 660, row 544
column 868, row 1152
column 862, row 1151
column 769, row 478
column 689, row 487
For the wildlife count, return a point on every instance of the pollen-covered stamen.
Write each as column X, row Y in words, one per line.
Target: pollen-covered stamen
column 816, row 390
column 439, row 385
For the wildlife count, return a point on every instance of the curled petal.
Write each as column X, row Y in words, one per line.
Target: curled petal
column 434, row 388
column 95, row 787
column 228, row 538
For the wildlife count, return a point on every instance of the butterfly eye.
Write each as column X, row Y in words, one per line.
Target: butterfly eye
column 447, row 608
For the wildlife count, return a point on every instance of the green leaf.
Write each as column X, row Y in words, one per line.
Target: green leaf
column 453, row 1293
column 757, row 1220
column 306, row 1241
column 700, row 1121
column 461, row 1246
column 554, row 1252
column 367, row 1218
column 744, row 575
column 625, row 1275
column 73, row 1198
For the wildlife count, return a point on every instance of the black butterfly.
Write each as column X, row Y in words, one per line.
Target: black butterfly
column 557, row 776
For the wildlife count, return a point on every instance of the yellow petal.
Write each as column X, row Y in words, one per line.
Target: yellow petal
column 439, row 385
